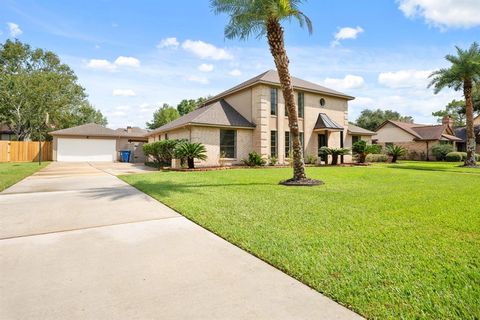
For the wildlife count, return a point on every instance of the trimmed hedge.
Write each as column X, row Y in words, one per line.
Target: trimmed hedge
column 376, row 157
column 459, row 156
column 455, row 156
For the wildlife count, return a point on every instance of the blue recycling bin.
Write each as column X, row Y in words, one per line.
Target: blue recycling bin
column 125, row 155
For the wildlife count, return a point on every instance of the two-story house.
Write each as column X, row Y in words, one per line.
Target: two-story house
column 252, row 117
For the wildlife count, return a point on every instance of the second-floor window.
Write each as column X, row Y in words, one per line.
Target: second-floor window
column 273, row 101
column 301, row 104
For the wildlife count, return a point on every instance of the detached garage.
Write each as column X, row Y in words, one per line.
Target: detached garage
column 92, row 142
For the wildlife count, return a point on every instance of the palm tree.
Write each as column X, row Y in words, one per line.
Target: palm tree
column 395, row 152
column 464, row 73
column 334, row 152
column 264, row 17
column 190, row 152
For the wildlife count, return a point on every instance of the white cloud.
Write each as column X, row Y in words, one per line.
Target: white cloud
column 443, row 13
column 204, row 67
column 123, row 92
column 198, row 79
column 101, row 64
column 346, row 33
column 348, row 82
column 123, row 108
column 14, row 28
column 205, row 50
column 405, row 79
column 235, row 73
column 168, row 43
column 127, row 61
column 118, row 113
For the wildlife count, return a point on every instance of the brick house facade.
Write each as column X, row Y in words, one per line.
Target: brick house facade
column 252, row 117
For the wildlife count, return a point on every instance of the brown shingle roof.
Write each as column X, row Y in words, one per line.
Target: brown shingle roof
column 93, row 129
column 218, row 113
column 353, row 129
column 271, row 77
column 135, row 132
column 89, row 129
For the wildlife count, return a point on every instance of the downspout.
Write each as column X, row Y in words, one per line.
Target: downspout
column 428, row 158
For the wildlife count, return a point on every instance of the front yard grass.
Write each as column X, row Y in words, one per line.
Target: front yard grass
column 12, row 172
column 387, row 241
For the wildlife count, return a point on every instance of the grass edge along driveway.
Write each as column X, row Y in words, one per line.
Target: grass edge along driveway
column 12, row 172
column 387, row 242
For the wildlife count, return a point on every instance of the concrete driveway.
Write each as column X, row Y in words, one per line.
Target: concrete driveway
column 78, row 243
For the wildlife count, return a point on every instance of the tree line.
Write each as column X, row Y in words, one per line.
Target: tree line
column 39, row 93
column 168, row 113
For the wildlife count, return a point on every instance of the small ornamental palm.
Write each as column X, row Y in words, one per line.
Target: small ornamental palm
column 395, row 152
column 334, row 152
column 190, row 152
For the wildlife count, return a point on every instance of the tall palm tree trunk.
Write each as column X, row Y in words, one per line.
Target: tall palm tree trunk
column 467, row 91
column 277, row 48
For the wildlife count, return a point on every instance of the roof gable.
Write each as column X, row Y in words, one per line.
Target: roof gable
column 271, row 77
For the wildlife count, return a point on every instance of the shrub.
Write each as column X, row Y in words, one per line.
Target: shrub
column 254, row 160
column 454, row 157
column 361, row 149
column 163, row 151
column 334, row 152
column 395, row 152
column 311, row 159
column 440, row 151
column 190, row 151
column 273, row 160
column 376, row 157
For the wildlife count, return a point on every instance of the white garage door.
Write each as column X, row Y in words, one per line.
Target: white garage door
column 86, row 149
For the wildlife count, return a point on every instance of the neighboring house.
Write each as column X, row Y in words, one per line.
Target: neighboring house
column 418, row 139
column 5, row 132
column 461, row 132
column 93, row 142
column 252, row 117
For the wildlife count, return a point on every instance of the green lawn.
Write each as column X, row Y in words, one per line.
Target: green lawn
column 387, row 241
column 11, row 173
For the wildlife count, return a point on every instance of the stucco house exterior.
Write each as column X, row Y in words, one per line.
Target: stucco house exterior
column 252, row 117
column 93, row 142
column 418, row 139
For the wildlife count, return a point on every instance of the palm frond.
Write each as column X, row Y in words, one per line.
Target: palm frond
column 249, row 17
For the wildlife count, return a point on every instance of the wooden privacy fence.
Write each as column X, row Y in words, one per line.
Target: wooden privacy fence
column 24, row 151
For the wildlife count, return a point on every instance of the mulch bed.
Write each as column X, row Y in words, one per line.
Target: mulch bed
column 259, row 167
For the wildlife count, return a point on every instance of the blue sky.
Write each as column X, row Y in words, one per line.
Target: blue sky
column 132, row 56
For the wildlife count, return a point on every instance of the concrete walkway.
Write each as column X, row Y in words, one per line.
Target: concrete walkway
column 78, row 243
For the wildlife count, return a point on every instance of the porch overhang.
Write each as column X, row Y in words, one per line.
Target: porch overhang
column 324, row 123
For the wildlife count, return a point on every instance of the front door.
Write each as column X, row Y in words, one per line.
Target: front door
column 322, row 142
